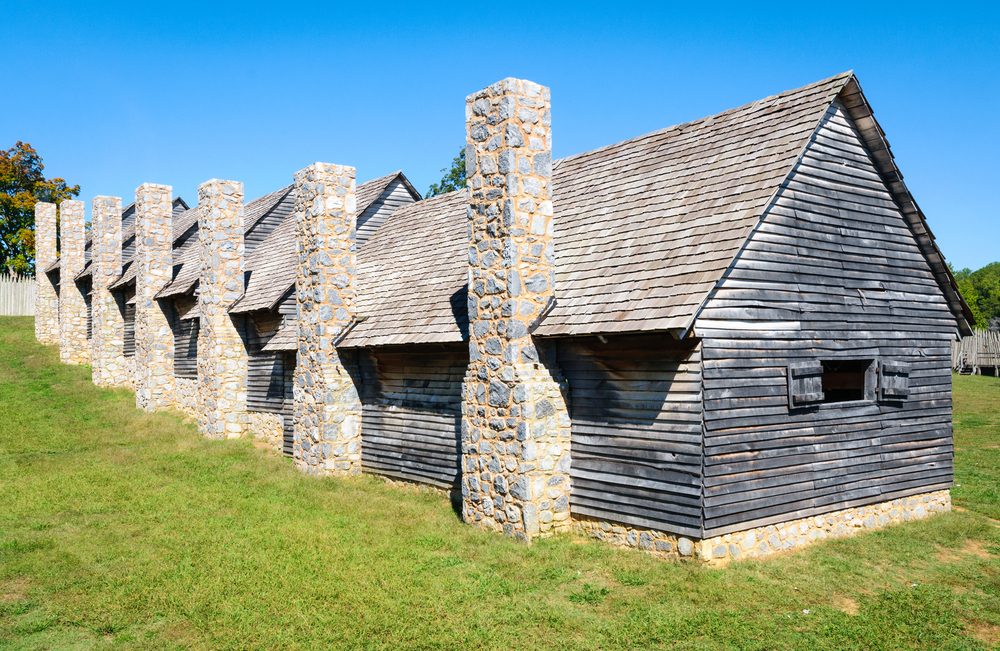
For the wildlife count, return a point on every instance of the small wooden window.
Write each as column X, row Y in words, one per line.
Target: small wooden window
column 805, row 383
column 894, row 381
column 848, row 380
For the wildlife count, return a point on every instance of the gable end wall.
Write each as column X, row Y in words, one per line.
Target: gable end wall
column 832, row 271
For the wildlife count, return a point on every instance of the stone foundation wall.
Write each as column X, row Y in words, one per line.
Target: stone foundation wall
column 267, row 428
column 764, row 541
column 128, row 364
column 186, row 396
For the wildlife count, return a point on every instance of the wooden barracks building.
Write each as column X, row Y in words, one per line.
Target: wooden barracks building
column 719, row 340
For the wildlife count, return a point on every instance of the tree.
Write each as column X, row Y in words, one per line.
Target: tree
column 22, row 185
column 453, row 179
column 981, row 290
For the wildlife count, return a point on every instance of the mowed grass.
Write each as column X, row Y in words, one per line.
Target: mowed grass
column 120, row 529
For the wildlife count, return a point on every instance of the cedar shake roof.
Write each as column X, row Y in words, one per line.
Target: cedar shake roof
column 286, row 338
column 273, row 265
column 644, row 229
column 412, row 274
column 187, row 265
column 182, row 221
column 179, row 206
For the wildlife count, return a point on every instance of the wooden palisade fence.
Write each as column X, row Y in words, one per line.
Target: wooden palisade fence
column 978, row 353
column 17, row 295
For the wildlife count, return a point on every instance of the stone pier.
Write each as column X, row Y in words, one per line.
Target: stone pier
column 222, row 353
column 327, row 414
column 46, row 296
column 515, row 425
column 74, row 348
column 108, row 329
column 154, row 341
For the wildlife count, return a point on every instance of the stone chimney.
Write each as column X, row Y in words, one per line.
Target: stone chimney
column 73, row 345
column 222, row 354
column 46, row 296
column 154, row 341
column 515, row 427
column 108, row 328
column 327, row 414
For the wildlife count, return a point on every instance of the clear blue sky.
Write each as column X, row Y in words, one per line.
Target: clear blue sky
column 116, row 95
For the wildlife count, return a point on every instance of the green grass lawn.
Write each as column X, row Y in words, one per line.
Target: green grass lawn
column 127, row 530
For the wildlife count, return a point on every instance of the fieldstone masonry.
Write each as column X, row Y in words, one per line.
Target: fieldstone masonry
column 267, row 428
column 108, row 328
column 771, row 539
column 327, row 408
column 222, row 354
column 154, row 341
column 46, row 297
column 515, row 426
column 73, row 345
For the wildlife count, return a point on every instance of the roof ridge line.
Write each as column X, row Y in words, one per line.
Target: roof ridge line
column 846, row 75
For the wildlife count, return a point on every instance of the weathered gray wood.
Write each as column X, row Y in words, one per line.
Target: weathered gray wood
column 185, row 347
column 833, row 272
column 411, row 415
column 128, row 313
column 266, row 372
column 635, row 407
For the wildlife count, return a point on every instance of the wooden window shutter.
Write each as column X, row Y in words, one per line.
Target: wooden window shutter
column 805, row 383
column 894, row 380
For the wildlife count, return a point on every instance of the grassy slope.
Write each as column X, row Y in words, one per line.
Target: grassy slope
column 122, row 529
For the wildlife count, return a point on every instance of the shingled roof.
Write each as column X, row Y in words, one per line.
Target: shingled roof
column 272, row 266
column 187, row 264
column 183, row 221
column 179, row 205
column 644, row 229
column 412, row 274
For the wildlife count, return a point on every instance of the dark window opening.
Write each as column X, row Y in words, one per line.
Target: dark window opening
column 845, row 380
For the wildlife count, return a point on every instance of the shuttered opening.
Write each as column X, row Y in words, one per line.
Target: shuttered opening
column 411, row 414
column 635, row 406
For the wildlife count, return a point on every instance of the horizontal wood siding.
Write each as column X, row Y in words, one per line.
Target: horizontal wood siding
column 128, row 248
column 288, row 405
column 412, row 411
column 265, row 370
column 635, row 405
column 88, row 299
column 394, row 196
column 832, row 272
column 186, row 348
column 287, row 307
column 270, row 221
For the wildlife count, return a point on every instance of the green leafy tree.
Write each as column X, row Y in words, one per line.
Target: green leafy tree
column 453, row 179
column 981, row 290
column 22, row 185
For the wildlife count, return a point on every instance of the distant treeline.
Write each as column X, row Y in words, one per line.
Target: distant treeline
column 981, row 290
